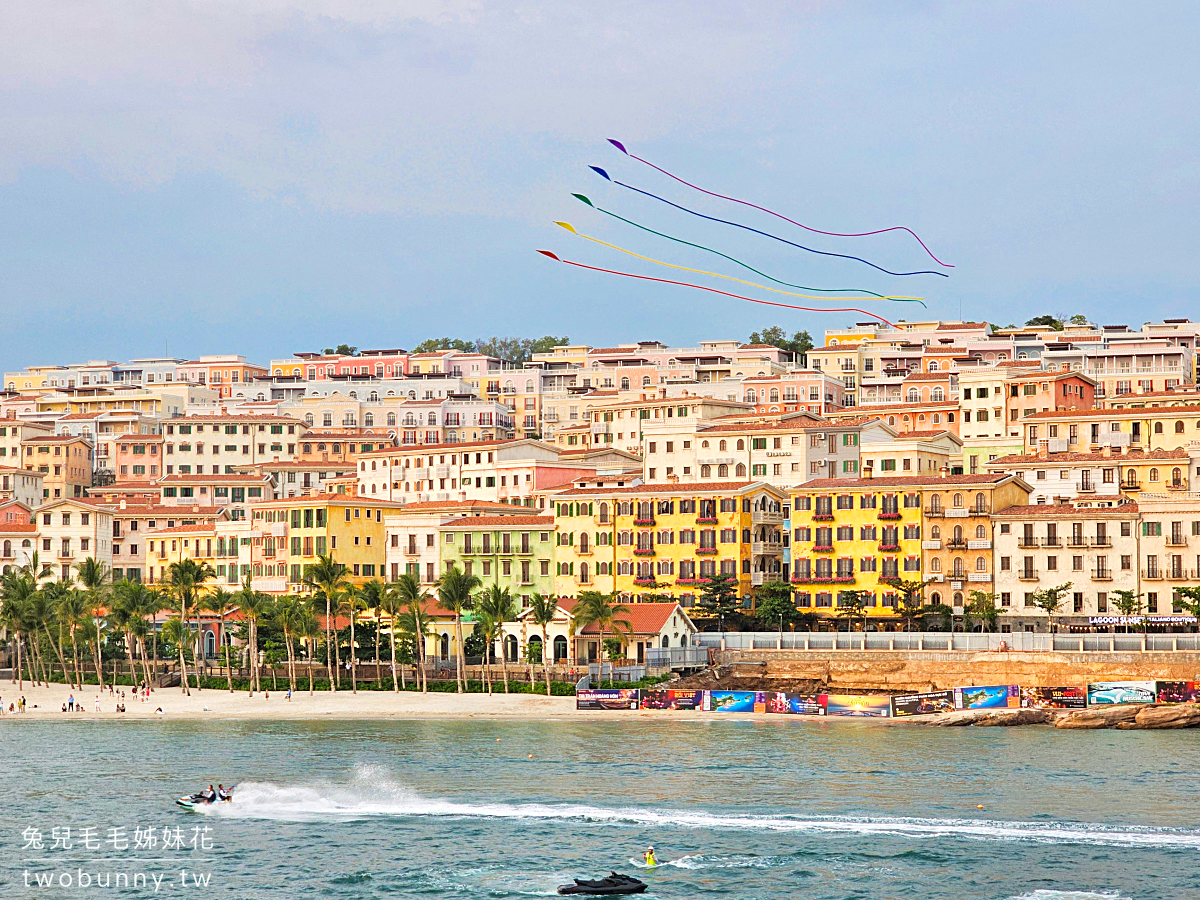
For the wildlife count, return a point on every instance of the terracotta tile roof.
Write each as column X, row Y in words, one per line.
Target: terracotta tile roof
column 442, row 448
column 16, row 528
column 922, row 435
column 929, row 376
column 905, row 406
column 960, row 326
column 826, row 484
column 816, row 425
column 1007, row 363
column 181, row 529
column 176, row 478
column 456, row 505
column 690, row 488
column 1067, row 509
column 1046, row 375
column 758, row 347
column 232, row 417
column 1052, row 459
column 644, row 618
column 55, row 439
column 501, row 522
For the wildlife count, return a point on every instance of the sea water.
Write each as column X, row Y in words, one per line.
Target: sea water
column 495, row 809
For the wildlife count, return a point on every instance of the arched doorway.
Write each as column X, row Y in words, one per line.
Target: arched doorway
column 534, row 651
column 560, row 649
column 510, row 648
column 445, row 648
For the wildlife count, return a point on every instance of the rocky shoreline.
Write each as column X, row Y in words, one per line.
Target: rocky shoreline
column 1127, row 716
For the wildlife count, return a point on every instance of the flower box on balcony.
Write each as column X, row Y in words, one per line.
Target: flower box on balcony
column 643, row 521
column 644, row 582
column 889, row 516
column 706, row 520
column 823, row 549
column 822, row 517
column 889, row 548
column 643, row 552
column 706, row 551
column 687, row 582
column 844, row 579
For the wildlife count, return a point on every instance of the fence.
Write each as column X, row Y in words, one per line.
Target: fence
column 1019, row 641
column 677, row 657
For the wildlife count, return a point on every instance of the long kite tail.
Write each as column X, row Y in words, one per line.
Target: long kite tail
column 772, row 212
column 744, row 265
column 658, row 262
column 773, row 237
column 701, row 287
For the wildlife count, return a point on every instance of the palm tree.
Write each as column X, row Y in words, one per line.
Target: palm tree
column 350, row 602
column 413, row 599
column 454, row 595
column 71, row 607
column 309, row 629
column 178, row 633
column 254, row 607
column 186, row 579
column 390, row 602
column 601, row 610
column 495, row 607
column 95, row 576
column 16, row 590
column 289, row 614
column 140, row 602
column 542, row 611
column 220, row 601
column 370, row 594
column 328, row 578
column 121, row 615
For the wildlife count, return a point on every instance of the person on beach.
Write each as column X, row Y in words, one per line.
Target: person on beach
column 289, row 695
column 71, row 703
column 97, row 703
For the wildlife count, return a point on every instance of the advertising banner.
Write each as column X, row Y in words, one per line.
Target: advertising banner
column 1054, row 698
column 734, row 701
column 660, row 699
column 795, row 704
column 1177, row 691
column 924, row 704
column 850, row 705
column 608, row 698
column 1103, row 693
column 993, row 696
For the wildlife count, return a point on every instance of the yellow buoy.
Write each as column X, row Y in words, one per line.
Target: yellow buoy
column 980, row 806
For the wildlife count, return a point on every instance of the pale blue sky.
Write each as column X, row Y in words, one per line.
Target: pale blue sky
column 273, row 176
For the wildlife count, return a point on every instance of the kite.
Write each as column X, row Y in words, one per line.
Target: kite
column 802, row 287
column 701, row 287
column 659, row 262
column 774, row 237
column 772, row 212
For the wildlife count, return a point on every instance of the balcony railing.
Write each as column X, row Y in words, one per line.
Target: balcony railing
column 1051, row 542
column 1028, row 543
column 1027, row 574
column 1152, row 574
column 1177, row 540
column 1102, row 575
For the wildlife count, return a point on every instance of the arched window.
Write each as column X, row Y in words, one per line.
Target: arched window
column 8, row 550
column 1179, row 428
column 308, row 419
column 624, row 384
column 706, row 471
column 722, row 446
column 1154, row 474
column 583, row 573
column 327, row 419
column 938, row 395
column 740, row 471
column 774, row 395
column 958, row 501
column 935, row 565
column 391, row 418
column 445, row 648
column 374, row 396
column 603, row 513
column 410, row 419
column 913, row 395
column 980, row 533
column 741, row 444
column 933, row 366
column 959, row 569
column 368, row 419
column 1176, row 476
column 958, row 534
column 958, row 599
column 937, row 418
column 560, row 649
column 349, row 418
column 308, row 448
column 666, row 642
column 891, row 420
column 981, row 564
column 935, row 503
column 645, row 381
column 529, row 386
column 510, row 647
column 722, row 471
column 935, row 533
column 431, row 419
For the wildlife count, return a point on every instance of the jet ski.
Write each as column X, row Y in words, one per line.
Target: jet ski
column 199, row 800
column 613, row 884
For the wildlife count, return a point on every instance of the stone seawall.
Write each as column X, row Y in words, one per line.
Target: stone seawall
column 902, row 671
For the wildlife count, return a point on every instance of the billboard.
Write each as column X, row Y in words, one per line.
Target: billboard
column 795, row 704
column 851, row 705
column 660, row 699
column 735, row 701
column 1054, row 698
column 1103, row 693
column 924, row 704
column 608, row 698
column 993, row 696
column 1177, row 691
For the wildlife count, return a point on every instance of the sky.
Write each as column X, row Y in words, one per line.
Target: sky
column 269, row 177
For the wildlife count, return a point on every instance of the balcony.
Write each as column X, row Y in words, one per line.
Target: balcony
column 1131, row 484
column 766, row 548
column 1027, row 574
column 887, row 515
column 1028, row 543
column 953, row 544
column 766, row 517
column 760, row 578
column 980, row 576
column 1152, row 574
column 638, row 551
column 934, row 512
column 1102, row 575
column 413, row 550
column 1177, row 540
column 936, row 578
column 1102, row 542
column 979, row 545
column 823, row 548
column 1177, row 486
column 1077, row 542
column 647, row 523
column 889, row 548
column 1086, row 487
column 1052, row 542
column 931, row 545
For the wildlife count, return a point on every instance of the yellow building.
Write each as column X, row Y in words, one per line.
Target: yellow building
column 286, row 537
column 171, row 545
column 668, row 539
column 65, row 460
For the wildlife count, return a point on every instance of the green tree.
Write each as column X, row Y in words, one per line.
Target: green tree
column 411, row 601
column 455, row 590
column 1050, row 600
column 542, row 611
column 718, row 597
column 937, row 617
column 371, row 595
column 346, row 350
column 981, row 608
column 1054, row 322
column 1130, row 604
column 255, row 606
column 220, row 601
column 603, row 611
column 308, row 628
column 495, row 606
column 1188, row 599
column 798, row 344
column 1079, row 319
column 351, row 603
column 185, row 579
column 774, row 606
column 911, row 595
column 431, row 345
column 852, row 606
column 95, row 576
column 328, row 578
column 16, row 592
column 289, row 615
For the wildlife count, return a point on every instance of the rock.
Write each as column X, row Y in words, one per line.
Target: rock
column 1183, row 715
column 960, row 717
column 1008, row 717
column 1101, row 716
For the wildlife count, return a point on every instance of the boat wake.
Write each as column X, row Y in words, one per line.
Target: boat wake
column 373, row 795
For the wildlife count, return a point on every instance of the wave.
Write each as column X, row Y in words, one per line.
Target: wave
column 374, row 796
column 1070, row 895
